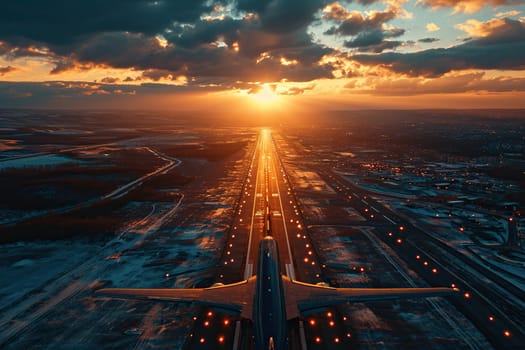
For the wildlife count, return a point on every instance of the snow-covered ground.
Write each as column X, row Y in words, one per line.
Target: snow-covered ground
column 36, row 161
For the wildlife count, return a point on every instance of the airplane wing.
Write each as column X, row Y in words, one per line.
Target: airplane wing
column 304, row 297
column 235, row 298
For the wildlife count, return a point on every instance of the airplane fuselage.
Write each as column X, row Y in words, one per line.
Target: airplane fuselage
column 269, row 308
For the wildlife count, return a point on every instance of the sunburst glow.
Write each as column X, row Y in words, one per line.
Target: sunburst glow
column 265, row 95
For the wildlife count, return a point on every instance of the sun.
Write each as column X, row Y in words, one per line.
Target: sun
column 264, row 95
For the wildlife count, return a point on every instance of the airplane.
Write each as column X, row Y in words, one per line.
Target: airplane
column 270, row 299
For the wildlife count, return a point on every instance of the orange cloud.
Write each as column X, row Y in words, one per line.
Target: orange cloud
column 474, row 82
column 467, row 6
column 6, row 70
column 478, row 29
column 432, row 27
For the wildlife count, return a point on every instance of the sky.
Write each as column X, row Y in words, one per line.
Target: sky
column 264, row 55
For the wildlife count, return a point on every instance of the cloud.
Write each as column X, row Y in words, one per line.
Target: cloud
column 432, row 27
column 109, row 80
column 467, row 6
column 511, row 13
column 200, row 47
column 354, row 22
column 66, row 94
column 428, row 40
column 58, row 22
column 499, row 47
column 374, row 40
column 295, row 90
column 496, row 26
column 460, row 83
column 6, row 70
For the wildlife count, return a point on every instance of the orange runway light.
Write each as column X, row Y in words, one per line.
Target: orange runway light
column 466, row 295
column 202, row 340
column 506, row 333
column 312, row 322
column 336, row 340
column 318, row 340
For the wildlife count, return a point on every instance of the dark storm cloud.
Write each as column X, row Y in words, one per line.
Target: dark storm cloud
column 503, row 48
column 380, row 47
column 374, row 40
column 124, row 34
column 282, row 16
column 59, row 22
